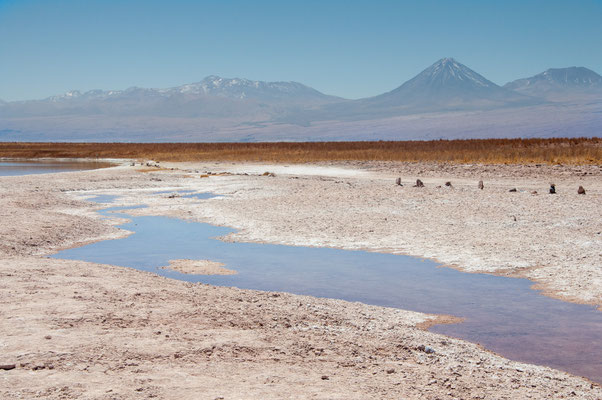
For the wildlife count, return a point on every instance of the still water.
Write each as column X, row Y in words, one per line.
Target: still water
column 28, row 167
column 503, row 314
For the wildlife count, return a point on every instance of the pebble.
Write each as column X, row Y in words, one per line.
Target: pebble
column 426, row 349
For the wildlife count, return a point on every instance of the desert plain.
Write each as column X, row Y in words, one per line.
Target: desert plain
column 75, row 329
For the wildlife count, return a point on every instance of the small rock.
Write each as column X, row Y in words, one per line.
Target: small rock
column 8, row 367
column 398, row 182
column 325, row 377
column 390, row 370
column 481, row 186
column 512, row 190
column 552, row 188
column 419, row 183
column 534, row 192
column 580, row 190
column 426, row 349
column 47, row 337
column 448, row 184
column 266, row 173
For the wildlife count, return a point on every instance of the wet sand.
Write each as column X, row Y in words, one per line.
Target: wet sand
column 85, row 330
column 199, row 267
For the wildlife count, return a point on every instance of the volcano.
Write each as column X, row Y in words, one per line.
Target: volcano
column 449, row 85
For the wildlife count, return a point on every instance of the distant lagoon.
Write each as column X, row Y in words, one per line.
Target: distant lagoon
column 29, row 167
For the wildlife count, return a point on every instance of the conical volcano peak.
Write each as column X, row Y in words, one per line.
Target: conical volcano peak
column 448, row 85
column 447, row 61
column 449, row 71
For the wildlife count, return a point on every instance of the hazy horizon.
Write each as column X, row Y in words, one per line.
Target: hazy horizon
column 352, row 50
column 268, row 81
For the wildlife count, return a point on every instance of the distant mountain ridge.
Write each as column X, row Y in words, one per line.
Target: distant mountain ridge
column 445, row 86
column 213, row 97
column 558, row 81
column 218, row 108
column 213, row 85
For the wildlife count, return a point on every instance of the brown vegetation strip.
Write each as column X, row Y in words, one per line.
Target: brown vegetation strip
column 548, row 151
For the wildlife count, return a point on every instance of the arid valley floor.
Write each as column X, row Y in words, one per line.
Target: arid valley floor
column 79, row 330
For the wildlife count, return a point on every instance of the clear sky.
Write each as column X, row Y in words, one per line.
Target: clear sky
column 347, row 48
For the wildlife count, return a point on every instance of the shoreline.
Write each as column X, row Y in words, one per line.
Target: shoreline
column 530, row 268
column 346, row 378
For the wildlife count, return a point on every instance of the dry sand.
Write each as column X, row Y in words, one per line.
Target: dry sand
column 84, row 330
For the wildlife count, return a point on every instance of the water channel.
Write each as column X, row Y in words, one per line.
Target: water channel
column 503, row 314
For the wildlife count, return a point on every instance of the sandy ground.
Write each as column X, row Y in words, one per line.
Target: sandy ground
column 199, row 267
column 83, row 330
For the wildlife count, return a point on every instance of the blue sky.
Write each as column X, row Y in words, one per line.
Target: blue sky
column 347, row 48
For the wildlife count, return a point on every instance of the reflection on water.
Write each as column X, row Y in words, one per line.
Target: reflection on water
column 175, row 191
column 503, row 314
column 28, row 167
column 186, row 194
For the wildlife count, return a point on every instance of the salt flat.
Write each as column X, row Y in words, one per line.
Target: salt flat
column 87, row 330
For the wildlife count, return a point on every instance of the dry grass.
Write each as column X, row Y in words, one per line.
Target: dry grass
column 515, row 151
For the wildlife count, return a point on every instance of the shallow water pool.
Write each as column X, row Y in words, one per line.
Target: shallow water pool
column 29, row 167
column 503, row 314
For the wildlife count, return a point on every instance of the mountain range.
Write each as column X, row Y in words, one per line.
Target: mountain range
column 446, row 100
column 559, row 83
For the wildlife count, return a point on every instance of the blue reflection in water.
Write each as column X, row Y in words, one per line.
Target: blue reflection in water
column 30, row 167
column 188, row 194
column 503, row 314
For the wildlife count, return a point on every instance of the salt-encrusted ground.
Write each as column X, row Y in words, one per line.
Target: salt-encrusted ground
column 83, row 330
